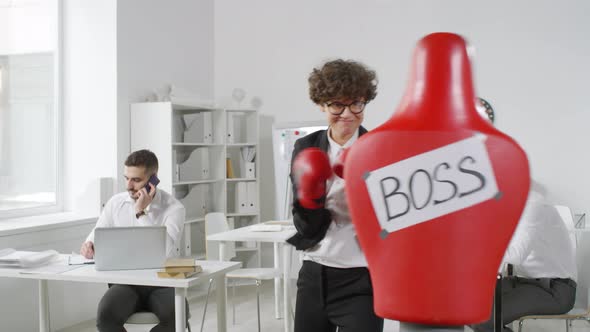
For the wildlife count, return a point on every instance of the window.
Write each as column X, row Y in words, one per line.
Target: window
column 29, row 109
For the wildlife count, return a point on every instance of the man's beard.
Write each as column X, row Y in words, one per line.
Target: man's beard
column 132, row 194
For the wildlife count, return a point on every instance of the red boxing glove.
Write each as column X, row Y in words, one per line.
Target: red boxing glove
column 311, row 169
column 339, row 165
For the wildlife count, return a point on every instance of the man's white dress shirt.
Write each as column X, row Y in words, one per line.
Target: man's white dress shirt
column 164, row 210
column 541, row 246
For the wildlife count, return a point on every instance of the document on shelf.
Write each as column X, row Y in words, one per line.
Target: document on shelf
column 248, row 153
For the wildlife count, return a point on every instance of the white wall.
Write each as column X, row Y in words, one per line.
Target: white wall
column 159, row 43
column 35, row 23
column 531, row 64
column 90, row 104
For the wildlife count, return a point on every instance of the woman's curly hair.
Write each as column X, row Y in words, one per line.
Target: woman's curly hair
column 342, row 79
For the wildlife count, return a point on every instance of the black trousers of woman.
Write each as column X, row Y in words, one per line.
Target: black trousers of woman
column 329, row 297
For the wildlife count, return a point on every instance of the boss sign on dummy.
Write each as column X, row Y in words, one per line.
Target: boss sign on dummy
column 435, row 194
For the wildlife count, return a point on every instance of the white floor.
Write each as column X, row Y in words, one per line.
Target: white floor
column 246, row 316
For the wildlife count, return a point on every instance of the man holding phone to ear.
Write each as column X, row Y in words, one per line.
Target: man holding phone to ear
column 142, row 205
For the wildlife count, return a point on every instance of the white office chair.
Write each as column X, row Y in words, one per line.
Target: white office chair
column 216, row 222
column 568, row 219
column 576, row 313
column 149, row 318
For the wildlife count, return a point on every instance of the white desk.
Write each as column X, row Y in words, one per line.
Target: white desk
column 277, row 239
column 87, row 273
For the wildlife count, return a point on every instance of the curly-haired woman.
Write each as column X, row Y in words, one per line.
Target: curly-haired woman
column 334, row 285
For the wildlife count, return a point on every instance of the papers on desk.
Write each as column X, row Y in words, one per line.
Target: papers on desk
column 26, row 259
column 7, row 251
column 75, row 259
column 55, row 267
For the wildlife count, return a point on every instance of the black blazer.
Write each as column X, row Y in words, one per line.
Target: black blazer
column 311, row 224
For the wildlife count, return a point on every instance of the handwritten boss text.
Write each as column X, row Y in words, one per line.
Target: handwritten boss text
column 432, row 184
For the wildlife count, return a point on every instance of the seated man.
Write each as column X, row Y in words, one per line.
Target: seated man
column 544, row 263
column 139, row 207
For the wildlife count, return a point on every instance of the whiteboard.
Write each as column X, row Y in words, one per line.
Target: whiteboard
column 284, row 136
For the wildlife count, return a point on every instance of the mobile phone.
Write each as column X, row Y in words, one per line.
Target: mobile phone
column 153, row 180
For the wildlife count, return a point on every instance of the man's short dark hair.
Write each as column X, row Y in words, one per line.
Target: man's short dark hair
column 342, row 79
column 143, row 158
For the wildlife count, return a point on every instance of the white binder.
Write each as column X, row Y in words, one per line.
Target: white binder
column 241, row 197
column 176, row 165
column 207, row 128
column 252, row 201
column 230, row 129
column 196, row 167
column 249, row 170
column 203, row 155
column 194, row 128
column 196, row 201
column 205, row 200
column 178, row 128
column 247, row 165
column 189, row 202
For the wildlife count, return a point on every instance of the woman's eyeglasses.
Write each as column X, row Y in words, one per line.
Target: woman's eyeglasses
column 337, row 108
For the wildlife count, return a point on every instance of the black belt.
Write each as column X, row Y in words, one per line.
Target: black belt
column 566, row 281
column 546, row 283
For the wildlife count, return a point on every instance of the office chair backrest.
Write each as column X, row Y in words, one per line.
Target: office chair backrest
column 568, row 219
column 216, row 222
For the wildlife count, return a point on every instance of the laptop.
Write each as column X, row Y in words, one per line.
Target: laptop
column 129, row 248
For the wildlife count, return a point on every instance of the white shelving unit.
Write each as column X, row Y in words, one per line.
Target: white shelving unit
column 242, row 140
column 195, row 146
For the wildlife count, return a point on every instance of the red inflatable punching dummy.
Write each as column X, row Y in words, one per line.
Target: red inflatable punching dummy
column 435, row 194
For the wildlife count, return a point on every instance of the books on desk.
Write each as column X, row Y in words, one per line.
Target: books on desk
column 178, row 275
column 180, row 268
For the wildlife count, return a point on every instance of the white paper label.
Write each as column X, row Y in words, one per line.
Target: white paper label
column 432, row 184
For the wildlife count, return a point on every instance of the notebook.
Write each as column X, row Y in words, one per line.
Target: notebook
column 129, row 248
